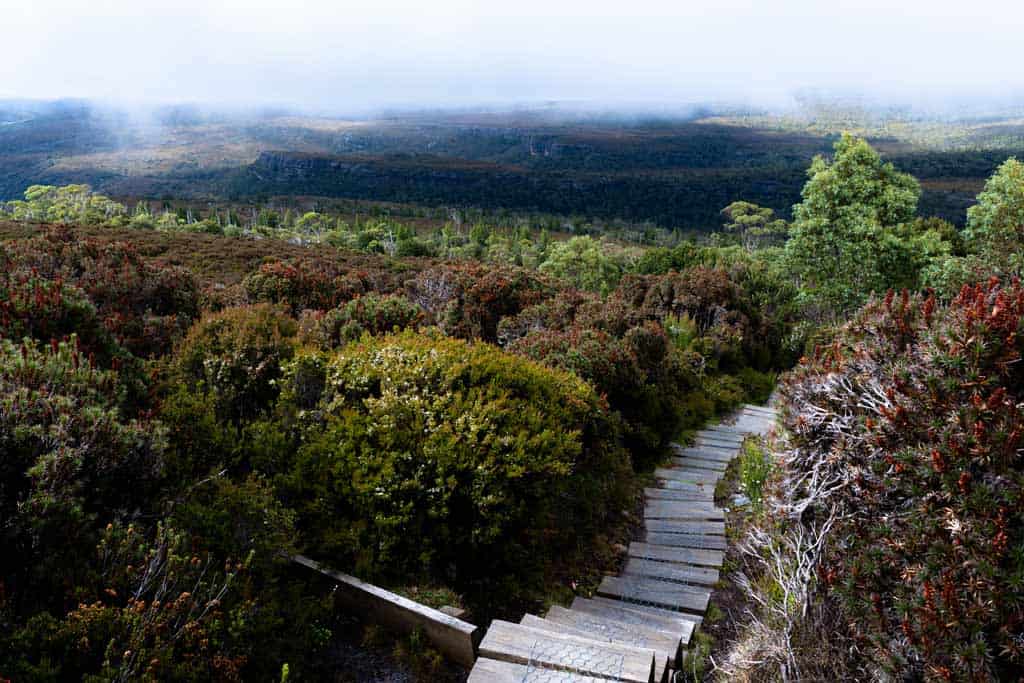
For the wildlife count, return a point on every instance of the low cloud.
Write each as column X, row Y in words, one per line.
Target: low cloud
column 359, row 56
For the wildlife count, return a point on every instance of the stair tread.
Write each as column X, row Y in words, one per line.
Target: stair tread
column 644, row 590
column 666, row 647
column 669, row 571
column 520, row 644
column 674, row 494
column 651, row 610
column 673, row 624
column 700, row 541
column 702, row 557
column 677, row 526
column 488, row 670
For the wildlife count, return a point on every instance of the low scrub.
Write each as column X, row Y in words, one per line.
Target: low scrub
column 907, row 434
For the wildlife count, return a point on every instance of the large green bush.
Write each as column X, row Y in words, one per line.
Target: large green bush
column 236, row 355
column 428, row 455
column 369, row 314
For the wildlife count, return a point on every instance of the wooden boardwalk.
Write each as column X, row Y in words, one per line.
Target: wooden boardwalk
column 637, row 626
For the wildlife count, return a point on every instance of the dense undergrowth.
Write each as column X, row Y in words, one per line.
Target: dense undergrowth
column 898, row 513
column 166, row 436
column 178, row 409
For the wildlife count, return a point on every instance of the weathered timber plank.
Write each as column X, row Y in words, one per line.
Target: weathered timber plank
column 672, row 494
column 454, row 638
column 667, row 571
column 722, row 434
column 651, row 609
column 760, row 409
column 673, row 509
column 663, row 594
column 686, row 540
column 698, row 464
column 718, row 442
column 663, row 657
column 721, row 429
column 708, row 453
column 666, row 646
column 673, row 624
column 662, row 553
column 724, row 450
column 687, row 474
column 669, row 507
column 729, row 452
column 677, row 485
column 518, row 644
column 533, row 621
column 675, row 526
column 493, row 671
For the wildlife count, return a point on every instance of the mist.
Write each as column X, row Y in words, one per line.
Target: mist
column 354, row 57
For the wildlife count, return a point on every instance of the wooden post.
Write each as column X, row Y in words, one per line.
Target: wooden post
column 454, row 638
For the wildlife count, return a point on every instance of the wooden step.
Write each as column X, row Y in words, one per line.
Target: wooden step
column 651, row 610
column 533, row 621
column 717, row 442
column 676, row 485
column 698, row 464
column 726, row 451
column 707, row 453
column 665, row 658
column 645, row 591
column 676, row 526
column 688, row 474
column 721, row 433
column 668, row 571
column 760, row 409
column 675, row 625
column 673, row 494
column 732, row 430
column 752, row 416
column 674, row 509
column 493, row 671
column 686, row 540
column 679, row 555
column 519, row 644
column 666, row 646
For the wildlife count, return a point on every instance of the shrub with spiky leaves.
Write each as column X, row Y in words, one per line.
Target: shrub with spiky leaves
column 909, row 427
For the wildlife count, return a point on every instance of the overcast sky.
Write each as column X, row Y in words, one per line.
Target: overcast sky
column 351, row 55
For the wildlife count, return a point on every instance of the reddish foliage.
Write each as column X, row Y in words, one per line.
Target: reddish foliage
column 935, row 481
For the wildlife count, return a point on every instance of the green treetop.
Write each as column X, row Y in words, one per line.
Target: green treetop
column 754, row 225
column 844, row 240
column 995, row 225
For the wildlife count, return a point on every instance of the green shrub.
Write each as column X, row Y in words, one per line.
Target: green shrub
column 427, row 455
column 236, row 355
column 71, row 460
column 370, row 314
column 755, row 468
